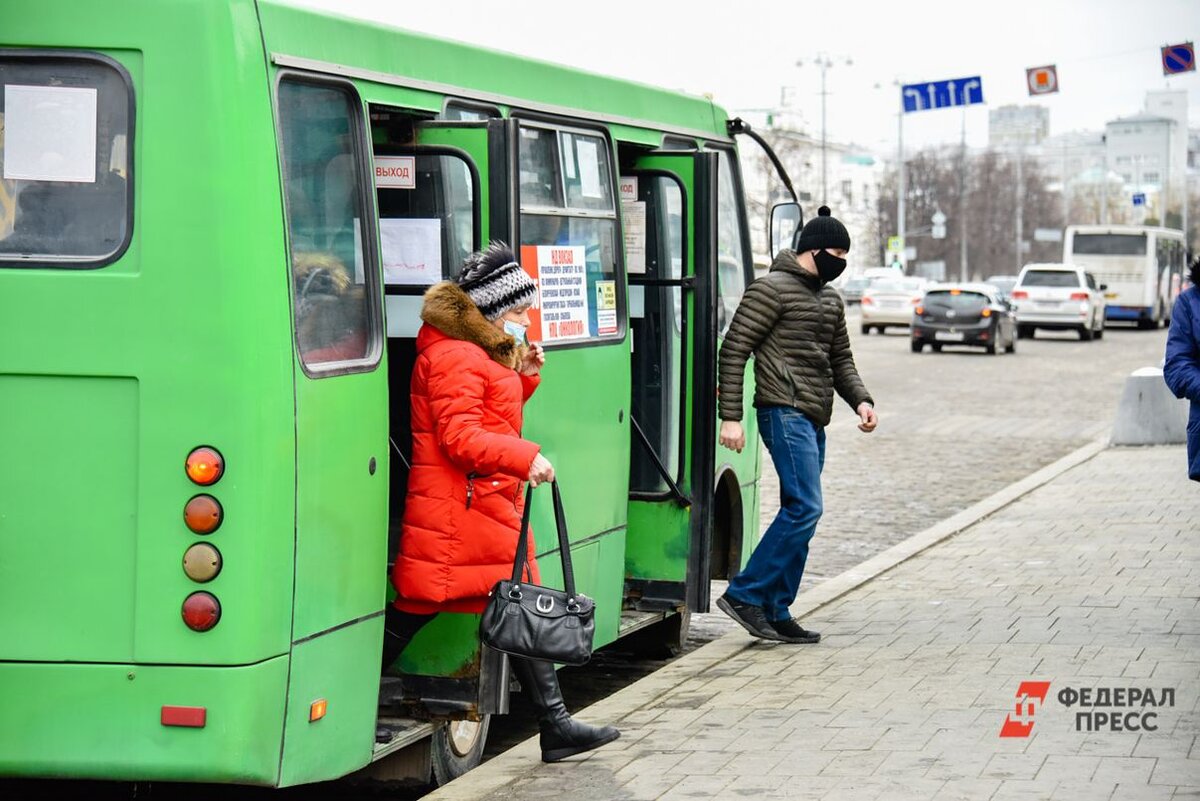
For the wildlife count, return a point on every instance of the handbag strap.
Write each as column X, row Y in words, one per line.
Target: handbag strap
column 564, row 545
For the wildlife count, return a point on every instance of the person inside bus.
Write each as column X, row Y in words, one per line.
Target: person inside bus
column 473, row 374
column 795, row 324
column 1181, row 370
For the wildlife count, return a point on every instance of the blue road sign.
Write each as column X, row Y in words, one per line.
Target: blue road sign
column 1178, row 58
column 942, row 94
column 1139, row 198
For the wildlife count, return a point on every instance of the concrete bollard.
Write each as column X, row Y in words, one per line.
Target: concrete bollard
column 1148, row 413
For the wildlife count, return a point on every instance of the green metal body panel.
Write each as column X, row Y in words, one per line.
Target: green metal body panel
column 658, row 548
column 104, row 721
column 332, row 668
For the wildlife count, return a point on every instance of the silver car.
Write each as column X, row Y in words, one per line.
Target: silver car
column 1059, row 297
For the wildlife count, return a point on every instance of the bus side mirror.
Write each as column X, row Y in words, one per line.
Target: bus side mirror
column 1103, row 287
column 785, row 220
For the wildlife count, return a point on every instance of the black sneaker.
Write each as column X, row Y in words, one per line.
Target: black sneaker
column 752, row 618
column 791, row 631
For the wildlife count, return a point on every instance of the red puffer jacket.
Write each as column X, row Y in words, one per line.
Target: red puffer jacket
column 463, row 511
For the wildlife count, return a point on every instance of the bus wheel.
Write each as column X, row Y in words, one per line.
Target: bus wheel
column 457, row 747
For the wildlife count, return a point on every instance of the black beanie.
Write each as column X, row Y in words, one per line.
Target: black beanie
column 822, row 231
column 495, row 281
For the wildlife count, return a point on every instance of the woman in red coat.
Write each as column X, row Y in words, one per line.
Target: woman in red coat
column 462, row 516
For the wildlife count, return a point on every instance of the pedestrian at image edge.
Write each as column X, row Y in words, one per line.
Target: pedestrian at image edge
column 462, row 515
column 1181, row 370
column 795, row 325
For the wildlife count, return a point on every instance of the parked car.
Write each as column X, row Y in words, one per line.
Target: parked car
column 1004, row 285
column 890, row 302
column 852, row 290
column 964, row 314
column 1059, row 297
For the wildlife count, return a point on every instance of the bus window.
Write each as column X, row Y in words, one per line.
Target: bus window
column 731, row 271
column 658, row 349
column 327, row 216
column 568, row 233
column 64, row 146
column 1110, row 244
column 427, row 231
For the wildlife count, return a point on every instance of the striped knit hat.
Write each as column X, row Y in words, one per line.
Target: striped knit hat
column 495, row 281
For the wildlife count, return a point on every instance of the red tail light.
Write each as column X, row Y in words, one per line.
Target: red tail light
column 1079, row 296
column 920, row 310
column 867, row 300
column 201, row 611
column 1020, row 295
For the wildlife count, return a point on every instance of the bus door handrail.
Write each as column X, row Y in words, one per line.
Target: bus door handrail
column 680, row 498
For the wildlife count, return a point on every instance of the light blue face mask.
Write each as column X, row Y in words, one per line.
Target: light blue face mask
column 515, row 330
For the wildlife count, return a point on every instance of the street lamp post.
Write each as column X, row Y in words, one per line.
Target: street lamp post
column 824, row 61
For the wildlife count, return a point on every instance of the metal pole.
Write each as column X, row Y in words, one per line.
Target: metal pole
column 1065, row 191
column 964, row 274
column 1104, row 186
column 902, row 189
column 824, row 187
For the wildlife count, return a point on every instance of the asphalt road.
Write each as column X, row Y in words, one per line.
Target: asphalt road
column 954, row 428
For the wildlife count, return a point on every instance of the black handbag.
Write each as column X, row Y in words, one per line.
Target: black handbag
column 539, row 622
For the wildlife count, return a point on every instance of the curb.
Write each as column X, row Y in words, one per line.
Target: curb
column 521, row 759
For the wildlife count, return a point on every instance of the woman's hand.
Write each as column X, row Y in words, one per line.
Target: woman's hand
column 540, row 471
column 535, row 357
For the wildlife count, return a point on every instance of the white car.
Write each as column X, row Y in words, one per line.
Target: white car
column 1058, row 297
column 890, row 302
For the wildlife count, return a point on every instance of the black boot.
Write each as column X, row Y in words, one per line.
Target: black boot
column 398, row 630
column 561, row 735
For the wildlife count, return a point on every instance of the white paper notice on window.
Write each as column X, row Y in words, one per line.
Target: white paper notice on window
column 412, row 251
column 49, row 133
column 589, row 168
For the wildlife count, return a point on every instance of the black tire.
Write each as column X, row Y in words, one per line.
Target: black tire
column 456, row 747
column 1146, row 325
column 991, row 349
column 1012, row 345
column 937, row 348
column 866, row 330
column 1085, row 333
column 917, row 347
column 1024, row 332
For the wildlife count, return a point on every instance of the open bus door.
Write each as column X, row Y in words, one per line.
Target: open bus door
column 443, row 191
column 673, row 322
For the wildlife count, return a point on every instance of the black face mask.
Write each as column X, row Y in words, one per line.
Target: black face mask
column 829, row 266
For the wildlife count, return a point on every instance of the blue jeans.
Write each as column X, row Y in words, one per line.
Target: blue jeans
column 772, row 576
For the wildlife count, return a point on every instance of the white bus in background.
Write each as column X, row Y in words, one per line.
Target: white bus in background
column 1142, row 266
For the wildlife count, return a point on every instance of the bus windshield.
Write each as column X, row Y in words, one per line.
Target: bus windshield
column 1110, row 244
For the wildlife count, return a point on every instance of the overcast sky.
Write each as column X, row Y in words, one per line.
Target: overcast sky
column 1107, row 52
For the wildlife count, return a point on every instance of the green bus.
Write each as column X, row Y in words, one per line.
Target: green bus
column 217, row 221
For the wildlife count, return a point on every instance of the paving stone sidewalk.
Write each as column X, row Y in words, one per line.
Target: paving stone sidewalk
column 1092, row 580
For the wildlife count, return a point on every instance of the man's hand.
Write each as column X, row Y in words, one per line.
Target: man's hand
column 732, row 436
column 534, row 359
column 866, row 412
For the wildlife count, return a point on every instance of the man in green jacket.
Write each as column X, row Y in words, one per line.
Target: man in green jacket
column 795, row 324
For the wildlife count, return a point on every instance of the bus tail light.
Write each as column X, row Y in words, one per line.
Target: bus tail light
column 201, row 611
column 205, row 466
column 203, row 514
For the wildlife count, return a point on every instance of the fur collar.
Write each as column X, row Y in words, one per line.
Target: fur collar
column 450, row 310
